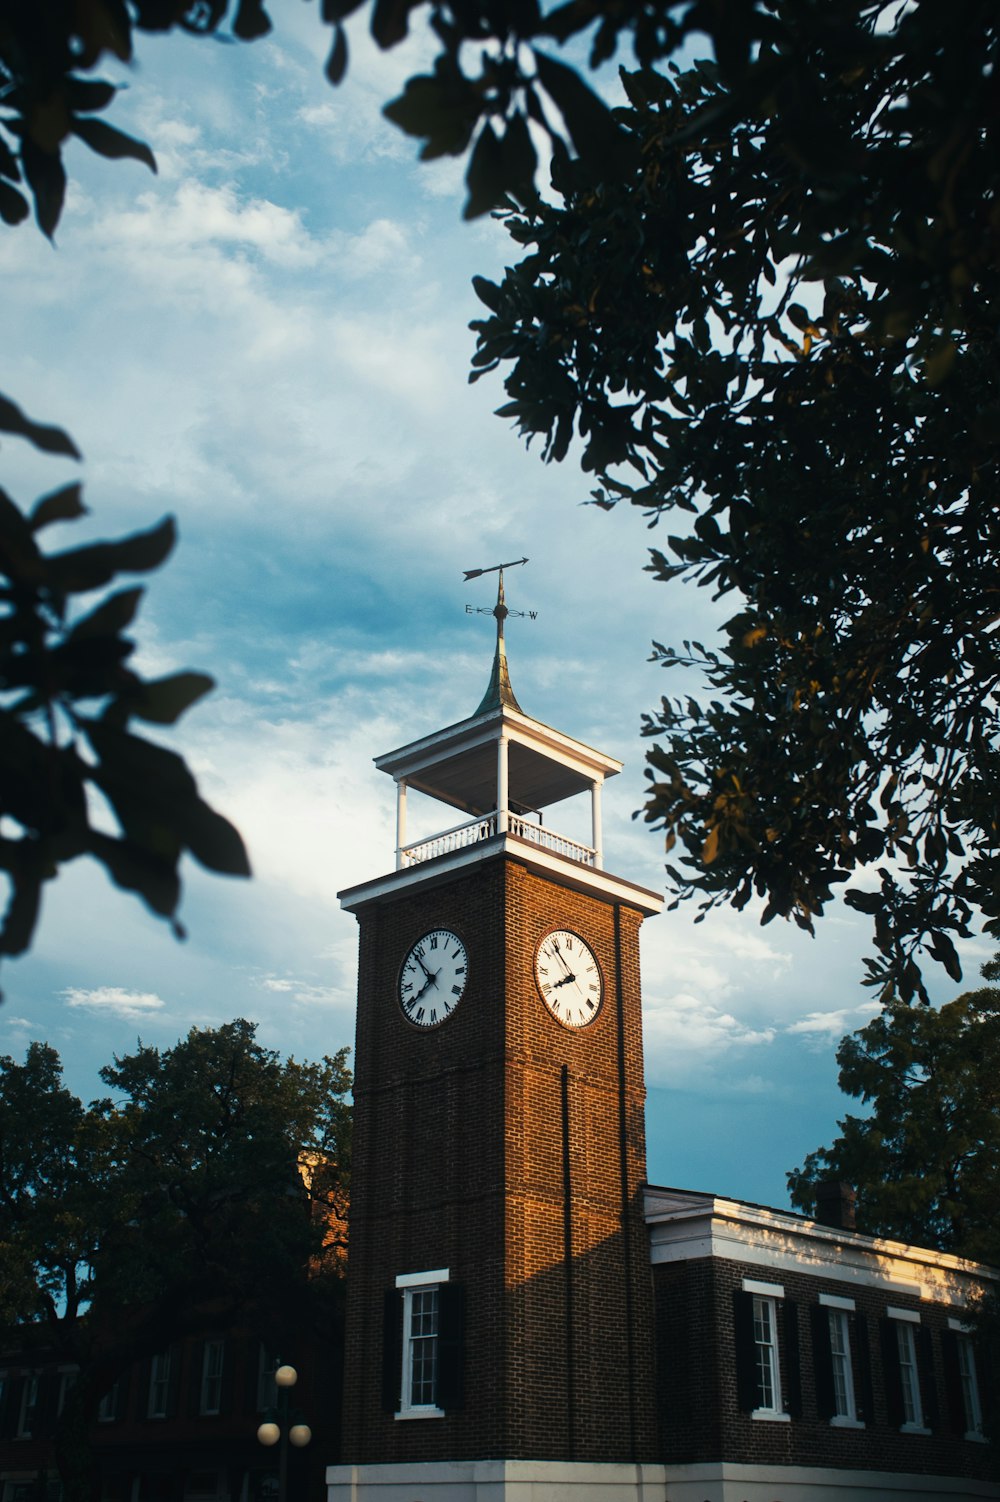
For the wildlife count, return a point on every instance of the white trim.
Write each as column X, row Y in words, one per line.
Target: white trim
column 769, row 1290
column 729, row 1481
column 834, row 1301
column 415, row 1280
column 771, row 1416
column 557, row 868
column 685, row 1225
column 498, row 1481
column 911, row 1316
column 960, row 1326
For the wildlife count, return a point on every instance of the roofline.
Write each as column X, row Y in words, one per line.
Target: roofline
column 597, row 883
column 476, row 730
column 688, row 1224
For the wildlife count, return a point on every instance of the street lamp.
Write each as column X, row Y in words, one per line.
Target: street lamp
column 276, row 1428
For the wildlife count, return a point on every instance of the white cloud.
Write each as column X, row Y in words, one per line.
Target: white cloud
column 114, row 1001
column 832, row 1025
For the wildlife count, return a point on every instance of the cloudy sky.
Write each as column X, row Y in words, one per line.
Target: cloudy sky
column 269, row 340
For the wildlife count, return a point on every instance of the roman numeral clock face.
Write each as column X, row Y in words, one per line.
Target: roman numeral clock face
column 432, row 978
column 569, row 978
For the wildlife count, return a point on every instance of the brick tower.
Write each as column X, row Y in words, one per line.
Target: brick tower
column 499, row 1330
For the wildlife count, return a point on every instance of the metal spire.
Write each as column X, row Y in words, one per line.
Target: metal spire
column 499, row 693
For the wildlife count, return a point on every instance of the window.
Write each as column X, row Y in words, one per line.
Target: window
column 422, row 1353
column 905, row 1347
column 970, row 1387
column 766, row 1351
column 29, row 1402
column 421, row 1329
column 210, row 1401
column 765, row 1335
column 909, row 1376
column 107, row 1409
column 837, row 1342
column 840, row 1357
column 159, row 1386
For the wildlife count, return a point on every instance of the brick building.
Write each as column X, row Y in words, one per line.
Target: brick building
column 179, row 1426
column 526, row 1318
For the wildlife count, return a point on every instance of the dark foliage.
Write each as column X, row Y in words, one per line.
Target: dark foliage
column 781, row 330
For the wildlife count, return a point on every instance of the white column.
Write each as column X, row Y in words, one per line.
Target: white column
column 400, row 821
column 597, row 839
column 502, row 794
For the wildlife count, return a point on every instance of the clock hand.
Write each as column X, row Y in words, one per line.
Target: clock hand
column 559, row 957
column 566, row 981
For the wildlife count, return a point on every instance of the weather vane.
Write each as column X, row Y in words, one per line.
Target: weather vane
column 500, row 609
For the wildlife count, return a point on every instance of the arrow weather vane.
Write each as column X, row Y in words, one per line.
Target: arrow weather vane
column 500, row 608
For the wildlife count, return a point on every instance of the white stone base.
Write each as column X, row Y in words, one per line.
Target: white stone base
column 757, row 1483
column 497, row 1481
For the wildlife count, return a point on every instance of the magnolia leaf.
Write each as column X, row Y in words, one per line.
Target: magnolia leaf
column 164, row 700
column 50, row 440
column 108, row 141
column 65, row 505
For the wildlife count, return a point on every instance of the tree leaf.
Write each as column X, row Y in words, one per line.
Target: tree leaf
column 163, row 700
column 90, row 567
column 50, row 440
column 107, row 140
column 65, row 505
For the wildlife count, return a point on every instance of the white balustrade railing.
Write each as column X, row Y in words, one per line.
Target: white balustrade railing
column 463, row 835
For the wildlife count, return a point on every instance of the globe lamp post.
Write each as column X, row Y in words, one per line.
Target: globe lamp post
column 277, row 1430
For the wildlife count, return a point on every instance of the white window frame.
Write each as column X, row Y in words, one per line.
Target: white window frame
column 159, row 1386
column 969, row 1379
column 414, row 1286
column 107, row 1408
column 29, row 1402
column 909, row 1370
column 767, row 1353
column 838, row 1308
column 210, row 1390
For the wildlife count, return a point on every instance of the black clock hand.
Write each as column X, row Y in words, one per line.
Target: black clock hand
column 566, row 981
column 559, row 957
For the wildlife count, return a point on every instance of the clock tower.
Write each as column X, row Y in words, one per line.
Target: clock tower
column 499, row 1322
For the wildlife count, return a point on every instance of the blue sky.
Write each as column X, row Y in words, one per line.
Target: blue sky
column 269, row 340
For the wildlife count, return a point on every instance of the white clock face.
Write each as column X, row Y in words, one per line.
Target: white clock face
column 432, row 979
column 569, row 978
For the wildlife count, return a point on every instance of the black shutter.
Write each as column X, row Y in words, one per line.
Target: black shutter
column 125, row 1381
column 11, row 1411
column 891, row 1373
column 954, row 1400
column 176, row 1354
column 745, row 1351
column 793, row 1366
column 826, row 1403
column 196, row 1361
column 451, row 1346
column 226, row 1386
column 985, row 1358
column 928, row 1384
column 861, row 1339
column 140, row 1402
column 392, row 1350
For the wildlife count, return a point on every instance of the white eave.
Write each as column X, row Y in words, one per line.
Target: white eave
column 458, row 765
column 568, row 873
column 685, row 1225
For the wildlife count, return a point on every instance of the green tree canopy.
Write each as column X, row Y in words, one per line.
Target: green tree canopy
column 177, row 1204
column 780, row 331
column 926, row 1160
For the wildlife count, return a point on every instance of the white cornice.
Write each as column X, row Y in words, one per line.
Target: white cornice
column 684, row 1225
column 600, row 884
